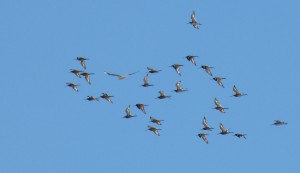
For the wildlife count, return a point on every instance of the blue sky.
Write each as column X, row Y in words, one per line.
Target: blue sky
column 47, row 127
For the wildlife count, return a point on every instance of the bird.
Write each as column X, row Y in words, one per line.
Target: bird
column 223, row 130
column 239, row 135
column 128, row 113
column 87, row 76
column 106, row 97
column 82, row 61
column 219, row 106
column 279, row 123
column 203, row 136
column 76, row 72
column 179, row 88
column 162, row 95
column 219, row 81
column 154, row 130
column 237, row 92
column 141, row 107
column 146, row 83
column 194, row 21
column 74, row 86
column 191, row 58
column 119, row 76
column 152, row 70
column 156, row 121
column 177, row 68
column 206, row 126
column 207, row 69
column 91, row 98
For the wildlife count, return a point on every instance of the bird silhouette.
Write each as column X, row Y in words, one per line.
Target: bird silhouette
column 237, row 92
column 206, row 126
column 72, row 85
column 191, row 58
column 154, row 130
column 76, row 72
column 152, row 70
column 82, row 61
column 179, row 89
column 207, row 69
column 146, row 83
column 162, row 95
column 128, row 113
column 219, row 106
column 177, row 68
column 194, row 21
column 223, row 130
column 106, row 97
column 156, row 121
column 119, row 76
column 87, row 76
column 219, row 81
column 141, row 107
column 239, row 135
column 204, row 137
column 279, row 123
column 91, row 98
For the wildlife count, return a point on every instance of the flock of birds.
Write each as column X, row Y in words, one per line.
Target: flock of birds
column 162, row 95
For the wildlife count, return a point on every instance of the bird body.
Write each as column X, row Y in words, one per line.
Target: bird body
column 239, row 135
column 219, row 106
column 87, row 76
column 237, row 92
column 194, row 21
column 91, row 98
column 162, row 95
column 191, row 58
column 76, row 72
column 179, row 89
column 207, row 69
column 146, row 83
column 128, row 113
column 223, row 130
column 152, row 70
column 279, row 123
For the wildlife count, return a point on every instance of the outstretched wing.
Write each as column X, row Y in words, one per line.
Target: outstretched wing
column 111, row 74
column 217, row 103
column 178, row 85
column 127, row 110
column 222, row 128
column 205, row 123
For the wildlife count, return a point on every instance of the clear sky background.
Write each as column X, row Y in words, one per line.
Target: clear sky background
column 47, row 127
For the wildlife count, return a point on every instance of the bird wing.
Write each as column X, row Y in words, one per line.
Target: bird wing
column 146, row 79
column 178, row 85
column 161, row 93
column 236, row 90
column 193, row 17
column 217, row 103
column 207, row 69
column 127, row 110
column 132, row 73
column 151, row 69
column 222, row 128
column 111, row 74
column 204, row 122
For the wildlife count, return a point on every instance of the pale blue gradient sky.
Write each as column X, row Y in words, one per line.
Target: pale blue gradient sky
column 47, row 127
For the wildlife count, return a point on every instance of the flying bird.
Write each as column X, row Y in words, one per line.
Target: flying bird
column 141, row 107
column 154, row 130
column 219, row 81
column 152, row 70
column 194, row 21
column 239, row 135
column 206, row 126
column 177, row 68
column 156, row 121
column 219, row 106
column 162, row 95
column 191, row 58
column 146, row 83
column 119, row 76
column 82, row 61
column 223, row 130
column 203, row 136
column 237, row 92
column 179, row 88
column 128, row 113
column 106, row 97
column 87, row 76
column 72, row 85
column 76, row 72
column 91, row 98
column 207, row 69
column 279, row 123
